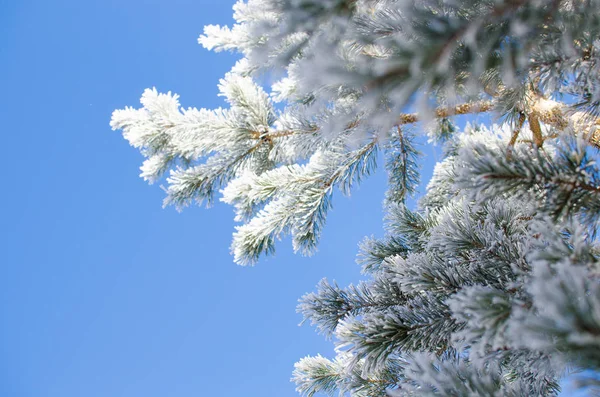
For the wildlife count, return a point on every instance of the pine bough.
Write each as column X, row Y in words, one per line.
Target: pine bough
column 491, row 285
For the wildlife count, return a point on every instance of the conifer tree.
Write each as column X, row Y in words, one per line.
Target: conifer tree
column 491, row 285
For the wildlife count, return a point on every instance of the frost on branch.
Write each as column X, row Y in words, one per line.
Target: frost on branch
column 452, row 292
column 490, row 285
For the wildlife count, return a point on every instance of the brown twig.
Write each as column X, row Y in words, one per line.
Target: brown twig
column 515, row 135
column 403, row 119
column 536, row 129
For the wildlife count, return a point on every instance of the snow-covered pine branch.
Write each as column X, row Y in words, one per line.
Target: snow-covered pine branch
column 490, row 285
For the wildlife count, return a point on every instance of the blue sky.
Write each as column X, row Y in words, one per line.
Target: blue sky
column 104, row 293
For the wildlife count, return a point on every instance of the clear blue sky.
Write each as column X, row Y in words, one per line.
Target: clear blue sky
column 104, row 293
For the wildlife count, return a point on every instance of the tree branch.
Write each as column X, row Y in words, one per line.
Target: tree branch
column 403, row 119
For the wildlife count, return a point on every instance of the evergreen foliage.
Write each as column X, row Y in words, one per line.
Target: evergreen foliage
column 490, row 287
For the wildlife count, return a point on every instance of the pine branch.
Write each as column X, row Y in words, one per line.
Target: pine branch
column 452, row 40
column 542, row 109
column 444, row 112
column 403, row 118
